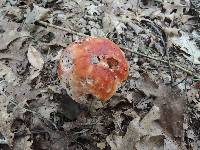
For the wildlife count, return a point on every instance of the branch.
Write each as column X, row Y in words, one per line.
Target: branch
column 153, row 58
column 45, row 24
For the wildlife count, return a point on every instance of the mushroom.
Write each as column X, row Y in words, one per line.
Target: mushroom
column 94, row 66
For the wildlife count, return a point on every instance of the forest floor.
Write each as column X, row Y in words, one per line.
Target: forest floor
column 156, row 108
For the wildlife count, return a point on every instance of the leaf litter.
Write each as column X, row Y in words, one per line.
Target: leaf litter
column 156, row 108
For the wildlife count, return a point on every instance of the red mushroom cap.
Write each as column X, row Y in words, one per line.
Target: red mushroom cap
column 94, row 66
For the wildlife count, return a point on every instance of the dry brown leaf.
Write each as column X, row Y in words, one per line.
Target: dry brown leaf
column 33, row 74
column 172, row 107
column 22, row 92
column 111, row 22
column 2, row 2
column 171, row 102
column 9, row 36
column 38, row 13
column 45, row 111
column 185, row 18
column 171, row 31
column 147, row 86
column 5, row 121
column 188, row 45
column 145, row 134
column 114, row 141
column 101, row 145
column 35, row 58
column 6, row 118
column 6, row 74
column 11, row 56
column 23, row 143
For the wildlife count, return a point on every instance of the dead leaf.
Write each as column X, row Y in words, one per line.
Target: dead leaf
column 9, row 36
column 45, row 111
column 2, row 3
column 137, row 29
column 190, row 46
column 111, row 22
column 114, row 142
column 37, row 13
column 185, row 18
column 22, row 92
column 118, row 121
column 142, row 134
column 11, row 56
column 35, row 58
column 57, row 57
column 59, row 38
column 5, row 121
column 7, row 74
column 147, row 86
column 23, row 143
column 34, row 74
column 92, row 9
column 101, row 145
column 171, row 31
column 15, row 12
column 172, row 104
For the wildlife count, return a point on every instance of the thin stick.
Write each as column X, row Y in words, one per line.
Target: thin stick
column 45, row 24
column 137, row 6
column 153, row 58
column 10, row 56
column 169, row 65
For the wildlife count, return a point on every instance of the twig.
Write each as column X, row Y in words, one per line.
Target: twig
column 169, row 65
column 82, row 131
column 137, row 6
column 45, row 24
column 157, row 29
column 153, row 58
column 10, row 56
column 179, row 82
